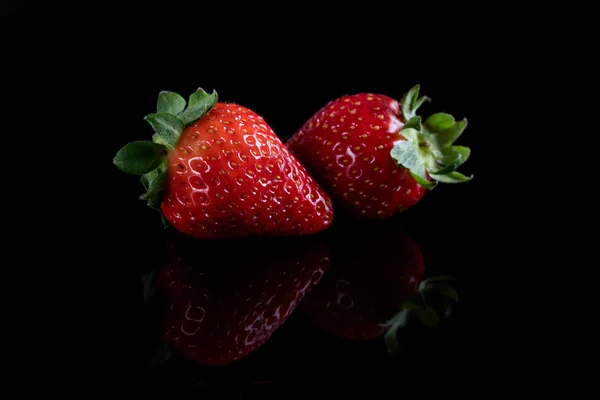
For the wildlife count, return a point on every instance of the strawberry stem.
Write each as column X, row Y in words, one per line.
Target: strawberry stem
column 411, row 102
column 428, row 150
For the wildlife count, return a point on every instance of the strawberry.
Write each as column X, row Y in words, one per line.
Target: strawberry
column 374, row 156
column 224, row 299
column 373, row 269
column 217, row 170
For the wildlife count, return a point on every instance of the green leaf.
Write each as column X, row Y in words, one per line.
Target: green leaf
column 161, row 356
column 164, row 220
column 391, row 342
column 391, row 335
column 170, row 103
column 436, row 278
column 444, row 289
column 455, row 154
column 199, row 104
column 147, row 178
column 157, row 139
column 439, row 122
column 199, row 97
column 464, row 152
column 167, row 126
column 452, row 177
column 447, row 169
column 452, row 158
column 413, row 123
column 448, row 136
column 413, row 302
column 411, row 102
column 139, row 157
column 439, row 286
column 423, row 182
column 154, row 182
column 428, row 317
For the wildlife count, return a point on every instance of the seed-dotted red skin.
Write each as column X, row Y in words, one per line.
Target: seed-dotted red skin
column 346, row 147
column 231, row 176
column 370, row 276
column 223, row 301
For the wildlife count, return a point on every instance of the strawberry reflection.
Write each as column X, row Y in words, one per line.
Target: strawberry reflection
column 374, row 267
column 224, row 299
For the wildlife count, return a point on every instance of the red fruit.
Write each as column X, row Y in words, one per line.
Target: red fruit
column 224, row 299
column 217, row 170
column 373, row 270
column 373, row 154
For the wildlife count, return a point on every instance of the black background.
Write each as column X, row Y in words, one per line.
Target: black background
column 85, row 74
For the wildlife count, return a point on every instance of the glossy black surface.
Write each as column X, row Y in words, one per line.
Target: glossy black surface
column 98, row 68
column 372, row 267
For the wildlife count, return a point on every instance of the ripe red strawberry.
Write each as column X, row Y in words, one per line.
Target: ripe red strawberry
column 217, row 170
column 224, row 299
column 374, row 156
column 374, row 268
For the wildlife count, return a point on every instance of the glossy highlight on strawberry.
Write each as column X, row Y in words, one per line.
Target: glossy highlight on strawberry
column 223, row 300
column 375, row 156
column 217, row 170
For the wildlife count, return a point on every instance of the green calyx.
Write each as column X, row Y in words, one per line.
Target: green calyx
column 428, row 304
column 428, row 150
column 149, row 158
